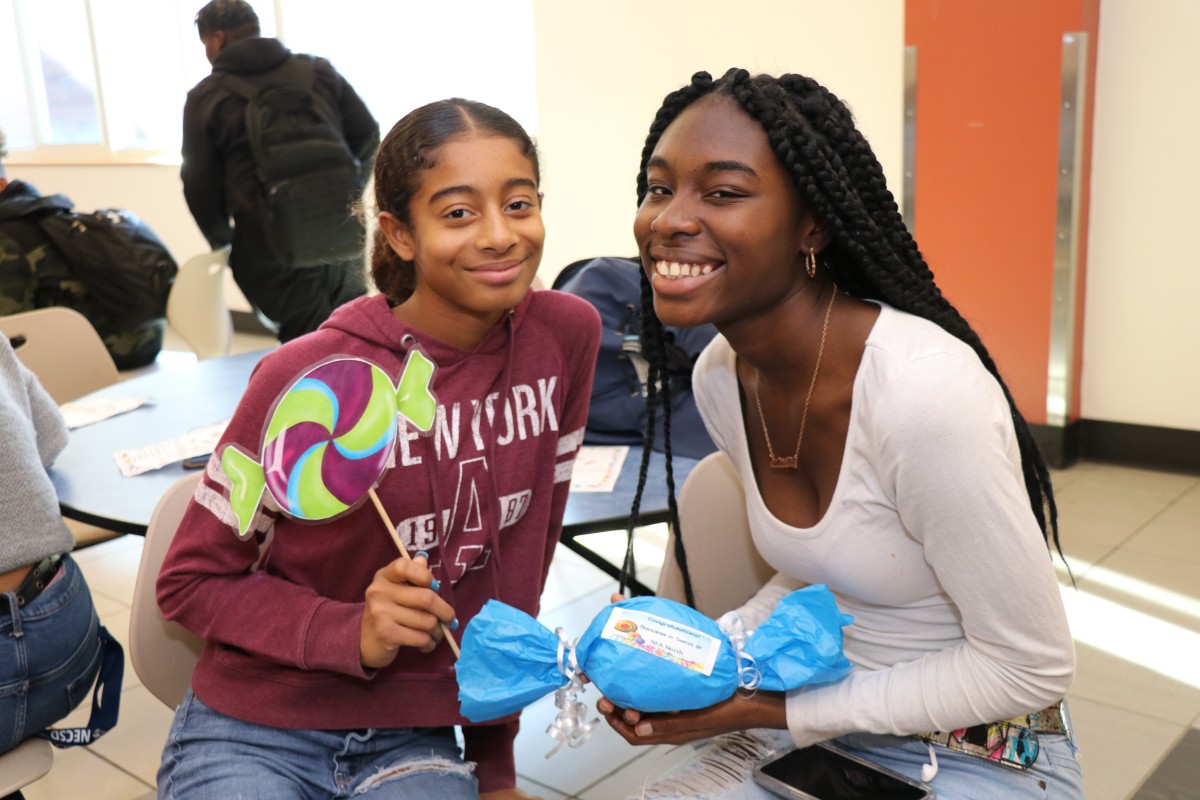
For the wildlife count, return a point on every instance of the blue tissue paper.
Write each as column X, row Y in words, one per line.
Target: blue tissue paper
column 658, row 655
column 800, row 644
column 648, row 653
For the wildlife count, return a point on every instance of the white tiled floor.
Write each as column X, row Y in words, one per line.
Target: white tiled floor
column 1133, row 538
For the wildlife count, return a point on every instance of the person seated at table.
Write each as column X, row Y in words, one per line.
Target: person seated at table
column 49, row 633
column 881, row 452
column 325, row 672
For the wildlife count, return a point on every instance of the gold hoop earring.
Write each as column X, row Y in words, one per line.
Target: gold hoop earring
column 810, row 263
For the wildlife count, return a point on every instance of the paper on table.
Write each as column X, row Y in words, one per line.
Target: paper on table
column 84, row 412
column 597, row 468
column 195, row 442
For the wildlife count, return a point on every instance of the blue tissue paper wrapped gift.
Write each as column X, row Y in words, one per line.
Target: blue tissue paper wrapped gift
column 648, row 653
column 800, row 644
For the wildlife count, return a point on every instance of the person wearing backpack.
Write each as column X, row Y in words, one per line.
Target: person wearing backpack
column 282, row 145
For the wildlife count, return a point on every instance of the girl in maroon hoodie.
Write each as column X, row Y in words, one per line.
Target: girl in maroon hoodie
column 325, row 673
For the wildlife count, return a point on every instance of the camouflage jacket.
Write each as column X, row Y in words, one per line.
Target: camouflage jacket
column 33, row 273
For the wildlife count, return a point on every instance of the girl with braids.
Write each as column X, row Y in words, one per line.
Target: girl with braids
column 880, row 451
column 324, row 673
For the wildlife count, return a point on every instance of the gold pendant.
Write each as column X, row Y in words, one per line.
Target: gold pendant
column 783, row 462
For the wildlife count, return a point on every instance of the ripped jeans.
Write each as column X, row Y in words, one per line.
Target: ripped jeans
column 209, row 755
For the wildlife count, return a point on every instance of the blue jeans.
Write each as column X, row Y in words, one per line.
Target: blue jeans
column 1054, row 776
column 211, row 755
column 49, row 656
column 711, row 773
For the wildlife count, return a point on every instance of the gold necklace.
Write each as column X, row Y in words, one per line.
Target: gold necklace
column 793, row 461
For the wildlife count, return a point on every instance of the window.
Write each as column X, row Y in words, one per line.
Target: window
column 102, row 79
column 105, row 80
column 61, row 73
column 15, row 117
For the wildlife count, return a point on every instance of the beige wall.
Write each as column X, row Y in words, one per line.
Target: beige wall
column 1141, row 352
column 604, row 68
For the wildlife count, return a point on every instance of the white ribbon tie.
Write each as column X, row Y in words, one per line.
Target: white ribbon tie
column 568, row 726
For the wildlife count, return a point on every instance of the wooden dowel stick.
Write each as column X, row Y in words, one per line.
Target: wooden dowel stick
column 404, row 552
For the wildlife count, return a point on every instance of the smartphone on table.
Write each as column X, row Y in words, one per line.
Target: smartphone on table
column 824, row 772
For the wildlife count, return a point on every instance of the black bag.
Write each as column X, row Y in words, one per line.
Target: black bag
column 617, row 414
column 126, row 268
column 309, row 178
column 120, row 274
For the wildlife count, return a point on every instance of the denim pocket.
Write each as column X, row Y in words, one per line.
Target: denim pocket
column 49, row 703
column 54, row 699
column 77, row 687
column 10, row 708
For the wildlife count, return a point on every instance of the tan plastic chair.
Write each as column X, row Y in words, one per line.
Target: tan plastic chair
column 725, row 567
column 63, row 349
column 24, row 764
column 196, row 306
column 163, row 653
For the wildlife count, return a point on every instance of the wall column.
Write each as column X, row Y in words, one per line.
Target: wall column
column 1002, row 175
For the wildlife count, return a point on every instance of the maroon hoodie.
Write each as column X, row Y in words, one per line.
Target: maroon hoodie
column 483, row 495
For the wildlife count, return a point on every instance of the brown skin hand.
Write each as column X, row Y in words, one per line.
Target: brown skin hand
column 760, row 710
column 401, row 611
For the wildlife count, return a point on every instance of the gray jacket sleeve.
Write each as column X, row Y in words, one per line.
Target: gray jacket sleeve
column 34, row 433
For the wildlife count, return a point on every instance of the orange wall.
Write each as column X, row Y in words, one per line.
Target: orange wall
column 987, row 120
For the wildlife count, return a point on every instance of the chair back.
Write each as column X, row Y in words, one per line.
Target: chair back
column 725, row 568
column 163, row 653
column 63, row 349
column 24, row 764
column 196, row 306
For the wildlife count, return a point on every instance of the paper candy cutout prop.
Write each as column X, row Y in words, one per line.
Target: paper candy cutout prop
column 649, row 654
column 330, row 438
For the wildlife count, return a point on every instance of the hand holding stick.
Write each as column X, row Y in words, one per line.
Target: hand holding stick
column 404, row 553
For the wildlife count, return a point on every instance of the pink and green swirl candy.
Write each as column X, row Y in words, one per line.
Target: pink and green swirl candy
column 330, row 438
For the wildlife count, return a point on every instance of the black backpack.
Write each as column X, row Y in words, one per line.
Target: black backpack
column 119, row 276
column 127, row 269
column 309, row 179
column 617, row 414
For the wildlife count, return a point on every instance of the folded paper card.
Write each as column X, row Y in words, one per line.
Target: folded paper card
column 650, row 654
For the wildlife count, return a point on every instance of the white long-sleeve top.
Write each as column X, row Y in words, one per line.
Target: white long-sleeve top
column 929, row 542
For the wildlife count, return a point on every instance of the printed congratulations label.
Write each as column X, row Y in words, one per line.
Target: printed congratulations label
column 664, row 638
